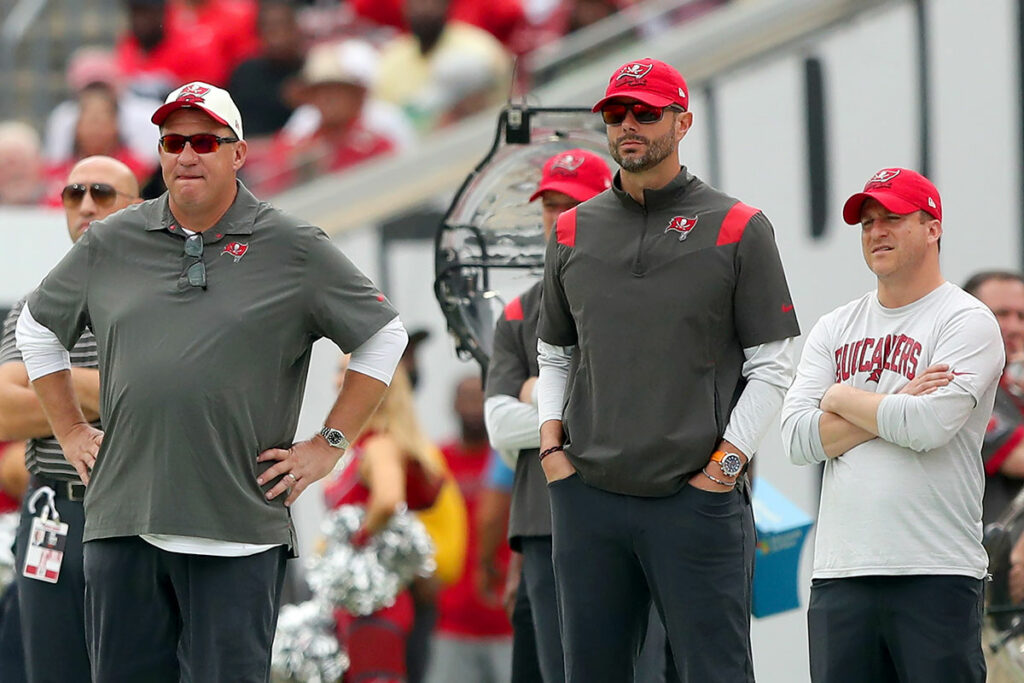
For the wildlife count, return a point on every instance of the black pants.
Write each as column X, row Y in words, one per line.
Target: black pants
column 691, row 552
column 886, row 629
column 157, row 616
column 12, row 655
column 52, row 615
column 525, row 660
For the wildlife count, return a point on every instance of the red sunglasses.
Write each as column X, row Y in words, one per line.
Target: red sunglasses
column 614, row 113
column 202, row 143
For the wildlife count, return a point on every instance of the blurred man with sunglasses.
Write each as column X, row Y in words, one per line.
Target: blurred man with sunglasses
column 665, row 341
column 205, row 303
column 52, row 620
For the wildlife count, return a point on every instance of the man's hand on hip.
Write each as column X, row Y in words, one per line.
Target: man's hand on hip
column 298, row 467
column 81, row 444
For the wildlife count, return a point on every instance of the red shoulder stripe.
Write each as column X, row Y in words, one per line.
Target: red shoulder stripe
column 997, row 459
column 565, row 229
column 514, row 310
column 735, row 222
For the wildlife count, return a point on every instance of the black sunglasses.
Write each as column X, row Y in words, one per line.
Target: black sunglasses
column 614, row 113
column 202, row 143
column 102, row 193
column 196, row 271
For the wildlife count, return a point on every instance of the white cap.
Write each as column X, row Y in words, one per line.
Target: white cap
column 214, row 101
column 349, row 61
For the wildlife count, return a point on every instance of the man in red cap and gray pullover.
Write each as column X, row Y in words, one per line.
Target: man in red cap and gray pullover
column 665, row 339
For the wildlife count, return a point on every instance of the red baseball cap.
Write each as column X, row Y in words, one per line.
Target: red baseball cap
column 648, row 80
column 575, row 172
column 897, row 189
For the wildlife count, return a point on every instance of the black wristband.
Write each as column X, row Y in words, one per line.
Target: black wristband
column 548, row 451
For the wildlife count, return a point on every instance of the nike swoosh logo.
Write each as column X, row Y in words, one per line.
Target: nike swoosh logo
column 957, row 374
column 786, row 308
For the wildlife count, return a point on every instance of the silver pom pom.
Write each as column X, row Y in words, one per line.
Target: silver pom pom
column 364, row 580
column 305, row 647
column 8, row 531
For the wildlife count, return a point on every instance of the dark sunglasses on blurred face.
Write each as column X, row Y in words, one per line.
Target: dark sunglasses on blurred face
column 202, row 143
column 102, row 194
column 614, row 113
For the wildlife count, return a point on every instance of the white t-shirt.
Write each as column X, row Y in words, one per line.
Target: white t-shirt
column 908, row 502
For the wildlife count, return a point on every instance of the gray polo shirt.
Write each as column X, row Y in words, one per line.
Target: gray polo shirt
column 195, row 382
column 660, row 300
column 513, row 361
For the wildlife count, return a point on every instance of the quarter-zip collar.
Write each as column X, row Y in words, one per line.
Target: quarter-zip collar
column 654, row 199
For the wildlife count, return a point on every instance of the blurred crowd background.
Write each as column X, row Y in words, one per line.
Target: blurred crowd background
column 323, row 85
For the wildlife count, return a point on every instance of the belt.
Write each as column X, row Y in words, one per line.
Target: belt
column 63, row 489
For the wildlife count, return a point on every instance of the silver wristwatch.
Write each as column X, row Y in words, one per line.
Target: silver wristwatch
column 335, row 437
column 731, row 463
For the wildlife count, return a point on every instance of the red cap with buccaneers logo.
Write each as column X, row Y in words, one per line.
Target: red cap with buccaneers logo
column 900, row 190
column 575, row 172
column 214, row 101
column 650, row 81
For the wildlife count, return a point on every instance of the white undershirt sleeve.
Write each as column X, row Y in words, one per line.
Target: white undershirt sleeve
column 769, row 369
column 41, row 351
column 554, row 375
column 511, row 424
column 378, row 356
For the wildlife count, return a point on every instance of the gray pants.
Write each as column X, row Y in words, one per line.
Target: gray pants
column 692, row 553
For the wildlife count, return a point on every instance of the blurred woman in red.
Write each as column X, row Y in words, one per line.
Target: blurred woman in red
column 391, row 464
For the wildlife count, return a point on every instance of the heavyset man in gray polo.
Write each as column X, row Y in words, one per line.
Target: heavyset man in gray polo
column 205, row 303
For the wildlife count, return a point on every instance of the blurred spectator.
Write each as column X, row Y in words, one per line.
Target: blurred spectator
column 492, row 528
column 154, row 57
column 262, row 86
column 473, row 641
column 582, row 13
column 500, row 18
column 393, row 463
column 445, row 69
column 22, row 180
column 96, row 67
column 97, row 133
column 338, row 128
column 230, row 25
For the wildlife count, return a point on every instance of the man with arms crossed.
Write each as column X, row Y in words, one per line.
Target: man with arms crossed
column 893, row 393
column 51, row 614
column 205, row 303
column 666, row 327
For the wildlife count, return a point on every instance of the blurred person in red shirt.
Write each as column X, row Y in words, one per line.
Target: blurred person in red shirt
column 473, row 642
column 500, row 18
column 231, row 23
column 392, row 464
column 156, row 56
column 22, row 171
